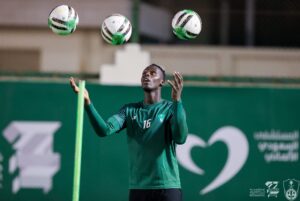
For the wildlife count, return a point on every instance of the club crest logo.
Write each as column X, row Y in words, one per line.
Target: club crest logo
column 161, row 117
column 291, row 188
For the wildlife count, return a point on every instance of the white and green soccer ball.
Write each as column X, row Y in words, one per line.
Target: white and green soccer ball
column 116, row 29
column 63, row 20
column 186, row 24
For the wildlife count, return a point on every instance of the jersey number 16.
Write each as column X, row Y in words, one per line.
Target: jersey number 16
column 147, row 123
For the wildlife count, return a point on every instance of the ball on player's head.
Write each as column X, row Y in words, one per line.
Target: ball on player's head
column 63, row 20
column 116, row 29
column 186, row 24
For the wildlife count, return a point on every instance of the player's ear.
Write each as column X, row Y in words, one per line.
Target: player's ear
column 162, row 82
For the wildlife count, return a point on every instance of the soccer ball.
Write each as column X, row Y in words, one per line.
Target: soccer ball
column 186, row 24
column 116, row 29
column 63, row 20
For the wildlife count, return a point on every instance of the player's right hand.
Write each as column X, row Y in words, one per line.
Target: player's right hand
column 75, row 88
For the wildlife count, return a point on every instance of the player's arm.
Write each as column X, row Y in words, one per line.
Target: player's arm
column 178, row 120
column 102, row 128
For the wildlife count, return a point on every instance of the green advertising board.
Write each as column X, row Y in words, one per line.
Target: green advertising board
column 243, row 143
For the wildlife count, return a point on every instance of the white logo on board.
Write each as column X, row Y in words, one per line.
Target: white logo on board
column 291, row 188
column 238, row 149
column 272, row 188
column 33, row 143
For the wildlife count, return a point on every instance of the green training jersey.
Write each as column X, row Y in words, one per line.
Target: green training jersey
column 152, row 134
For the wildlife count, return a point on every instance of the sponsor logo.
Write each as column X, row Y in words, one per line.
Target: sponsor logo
column 257, row 192
column 272, row 188
column 290, row 188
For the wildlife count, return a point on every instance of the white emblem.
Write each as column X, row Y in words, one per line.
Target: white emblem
column 238, row 149
column 161, row 117
column 291, row 188
column 273, row 189
column 37, row 163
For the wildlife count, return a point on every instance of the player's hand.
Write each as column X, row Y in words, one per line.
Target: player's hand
column 177, row 85
column 75, row 88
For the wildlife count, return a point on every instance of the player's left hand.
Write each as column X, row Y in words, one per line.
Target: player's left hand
column 177, row 85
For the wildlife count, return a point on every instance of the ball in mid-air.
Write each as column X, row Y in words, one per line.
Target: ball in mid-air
column 116, row 29
column 186, row 24
column 63, row 20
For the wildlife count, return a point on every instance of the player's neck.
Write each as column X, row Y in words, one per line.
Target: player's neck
column 151, row 97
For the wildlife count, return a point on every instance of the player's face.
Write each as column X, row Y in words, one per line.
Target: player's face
column 152, row 78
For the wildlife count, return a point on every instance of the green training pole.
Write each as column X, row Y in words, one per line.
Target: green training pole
column 78, row 145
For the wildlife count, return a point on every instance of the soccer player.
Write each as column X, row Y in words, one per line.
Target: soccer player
column 154, row 127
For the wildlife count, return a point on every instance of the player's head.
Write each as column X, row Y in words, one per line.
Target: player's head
column 153, row 77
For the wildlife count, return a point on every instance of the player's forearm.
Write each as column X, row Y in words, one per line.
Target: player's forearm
column 179, row 125
column 97, row 121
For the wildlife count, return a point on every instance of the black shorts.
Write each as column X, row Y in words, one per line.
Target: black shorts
column 172, row 194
